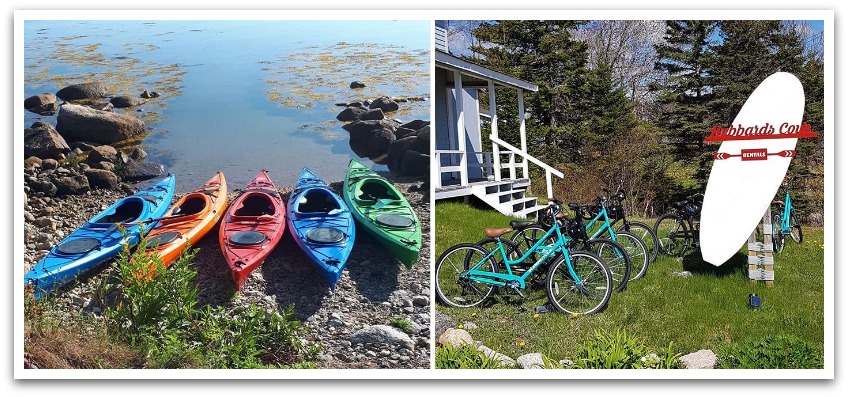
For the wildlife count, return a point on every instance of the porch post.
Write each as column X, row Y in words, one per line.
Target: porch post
column 460, row 128
column 493, row 114
column 523, row 132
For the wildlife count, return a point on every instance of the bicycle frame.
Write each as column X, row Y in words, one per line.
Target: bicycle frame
column 787, row 209
column 607, row 226
column 503, row 279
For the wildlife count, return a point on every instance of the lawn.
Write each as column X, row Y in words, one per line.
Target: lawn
column 708, row 310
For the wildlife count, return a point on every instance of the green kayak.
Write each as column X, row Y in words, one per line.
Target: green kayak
column 383, row 212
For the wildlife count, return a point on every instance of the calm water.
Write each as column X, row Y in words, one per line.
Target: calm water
column 237, row 96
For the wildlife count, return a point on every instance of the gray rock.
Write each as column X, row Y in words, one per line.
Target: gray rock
column 84, row 146
column 469, row 326
column 382, row 334
column 90, row 90
column 101, row 178
column 385, row 104
column 443, row 323
column 43, row 104
column 415, row 125
column 49, row 164
column 403, row 133
column 155, row 94
column 102, row 153
column 351, row 114
column 370, row 138
column 422, row 140
column 373, row 114
column 46, row 223
column 29, row 217
column 408, row 310
column 422, row 341
column 701, row 359
column 500, row 358
column 357, row 84
column 531, row 361
column 102, row 165
column 370, row 354
column 42, row 140
column 683, row 273
column 420, row 300
column 336, row 323
column 354, row 104
column 32, row 162
column 142, row 171
column 566, row 363
column 455, row 337
column 137, row 154
column 80, row 123
column 414, row 164
column 125, row 101
column 46, row 187
column 72, row 185
column 396, row 151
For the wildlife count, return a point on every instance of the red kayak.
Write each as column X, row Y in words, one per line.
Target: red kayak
column 252, row 227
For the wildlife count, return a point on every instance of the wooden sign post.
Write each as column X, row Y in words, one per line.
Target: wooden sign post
column 761, row 254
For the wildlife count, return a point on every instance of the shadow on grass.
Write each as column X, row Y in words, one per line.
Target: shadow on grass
column 694, row 263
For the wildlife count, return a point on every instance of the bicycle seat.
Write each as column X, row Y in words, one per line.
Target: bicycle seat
column 574, row 206
column 518, row 225
column 778, row 202
column 496, row 232
column 679, row 204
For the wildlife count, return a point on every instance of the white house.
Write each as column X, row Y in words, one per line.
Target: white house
column 497, row 175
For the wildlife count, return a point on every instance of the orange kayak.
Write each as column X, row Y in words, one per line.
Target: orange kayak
column 189, row 219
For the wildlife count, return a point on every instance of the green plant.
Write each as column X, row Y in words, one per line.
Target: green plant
column 617, row 350
column 464, row 357
column 402, row 324
column 772, row 352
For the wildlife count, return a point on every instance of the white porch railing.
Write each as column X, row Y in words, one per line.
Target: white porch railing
column 452, row 165
column 499, row 145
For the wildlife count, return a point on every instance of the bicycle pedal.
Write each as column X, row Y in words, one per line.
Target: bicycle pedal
column 518, row 292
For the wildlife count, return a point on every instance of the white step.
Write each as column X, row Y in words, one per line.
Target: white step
column 527, row 212
column 518, row 205
column 509, row 195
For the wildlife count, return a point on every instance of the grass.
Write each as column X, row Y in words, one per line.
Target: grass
column 706, row 311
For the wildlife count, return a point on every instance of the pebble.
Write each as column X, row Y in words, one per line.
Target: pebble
column 29, row 217
column 369, row 353
column 421, row 300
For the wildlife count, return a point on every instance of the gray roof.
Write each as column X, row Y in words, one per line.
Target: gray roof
column 447, row 61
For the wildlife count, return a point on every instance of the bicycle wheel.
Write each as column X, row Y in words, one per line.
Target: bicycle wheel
column 671, row 234
column 776, row 234
column 524, row 240
column 637, row 253
column 795, row 228
column 588, row 295
column 647, row 235
column 615, row 257
column 452, row 287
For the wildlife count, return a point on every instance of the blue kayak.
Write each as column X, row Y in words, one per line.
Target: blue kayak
column 322, row 225
column 100, row 239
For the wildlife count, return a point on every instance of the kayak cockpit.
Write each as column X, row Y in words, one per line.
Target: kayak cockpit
column 255, row 205
column 317, row 202
column 127, row 211
column 376, row 190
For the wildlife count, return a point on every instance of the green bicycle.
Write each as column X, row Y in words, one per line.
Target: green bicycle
column 577, row 282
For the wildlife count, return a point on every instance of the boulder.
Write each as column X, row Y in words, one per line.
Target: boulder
column 354, row 104
column 137, row 154
column 415, row 125
column 42, row 140
column 402, row 132
column 101, row 178
column 49, row 164
column 84, row 146
column 101, row 165
column 83, row 91
column 500, row 358
column 455, row 338
column 44, row 104
column 73, row 185
column 701, row 359
column 396, row 151
column 382, row 334
column 351, row 114
column 32, row 162
column 443, row 323
column 46, row 187
column 414, row 164
column 81, row 123
column 370, row 138
column 357, row 84
column 422, row 140
column 531, row 361
column 102, row 153
column 142, row 171
column 385, row 104
column 373, row 114
column 125, row 101
column 145, row 94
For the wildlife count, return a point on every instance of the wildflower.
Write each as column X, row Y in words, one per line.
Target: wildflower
column 535, row 315
column 473, row 314
column 460, row 326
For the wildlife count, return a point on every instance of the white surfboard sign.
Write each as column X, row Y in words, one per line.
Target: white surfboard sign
column 741, row 187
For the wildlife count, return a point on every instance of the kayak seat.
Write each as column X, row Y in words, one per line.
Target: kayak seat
column 325, row 235
column 127, row 211
column 192, row 205
column 394, row 220
column 163, row 239
column 255, row 205
column 317, row 201
column 374, row 190
column 247, row 238
column 78, row 246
